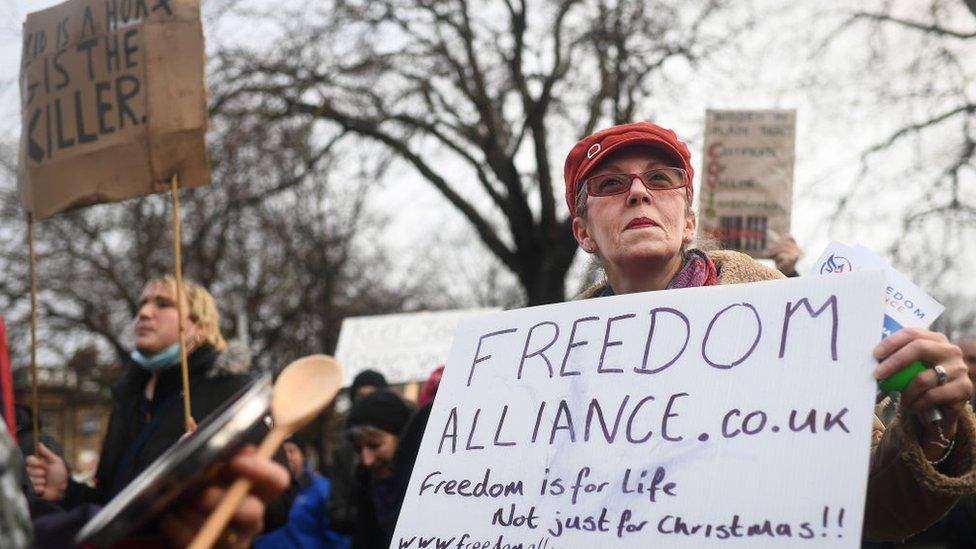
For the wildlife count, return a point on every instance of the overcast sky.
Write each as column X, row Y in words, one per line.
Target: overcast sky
column 830, row 135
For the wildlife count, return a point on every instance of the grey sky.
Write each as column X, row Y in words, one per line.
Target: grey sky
column 775, row 68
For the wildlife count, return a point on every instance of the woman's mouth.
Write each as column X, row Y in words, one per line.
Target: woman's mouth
column 640, row 223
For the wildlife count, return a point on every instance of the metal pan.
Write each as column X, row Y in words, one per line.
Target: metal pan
column 186, row 464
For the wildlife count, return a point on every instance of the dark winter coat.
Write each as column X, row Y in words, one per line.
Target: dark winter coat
column 140, row 430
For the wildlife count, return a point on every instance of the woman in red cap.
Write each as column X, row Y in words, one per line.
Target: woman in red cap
column 629, row 190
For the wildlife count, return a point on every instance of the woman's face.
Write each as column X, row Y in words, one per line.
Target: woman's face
column 638, row 226
column 295, row 458
column 375, row 449
column 157, row 325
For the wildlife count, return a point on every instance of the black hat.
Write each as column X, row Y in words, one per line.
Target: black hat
column 383, row 410
column 298, row 440
column 367, row 378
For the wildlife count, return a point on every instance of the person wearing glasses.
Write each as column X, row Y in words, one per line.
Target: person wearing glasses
column 629, row 190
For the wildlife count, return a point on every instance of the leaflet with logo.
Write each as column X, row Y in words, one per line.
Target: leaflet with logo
column 905, row 303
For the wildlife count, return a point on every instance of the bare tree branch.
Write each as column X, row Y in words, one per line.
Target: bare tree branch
column 916, row 127
column 934, row 29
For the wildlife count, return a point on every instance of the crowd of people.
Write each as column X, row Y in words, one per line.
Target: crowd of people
column 629, row 189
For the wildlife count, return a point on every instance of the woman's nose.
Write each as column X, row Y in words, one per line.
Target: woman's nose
column 638, row 192
column 367, row 458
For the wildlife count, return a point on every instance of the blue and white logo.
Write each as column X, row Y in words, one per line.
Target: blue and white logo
column 836, row 264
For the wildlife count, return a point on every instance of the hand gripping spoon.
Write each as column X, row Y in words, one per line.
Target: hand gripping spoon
column 303, row 389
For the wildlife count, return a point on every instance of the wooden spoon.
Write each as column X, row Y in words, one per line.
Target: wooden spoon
column 303, row 389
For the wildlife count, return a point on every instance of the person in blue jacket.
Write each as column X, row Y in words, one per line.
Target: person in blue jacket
column 308, row 519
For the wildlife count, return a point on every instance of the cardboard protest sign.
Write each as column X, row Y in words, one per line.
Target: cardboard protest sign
column 905, row 303
column 747, row 177
column 719, row 416
column 113, row 102
column 403, row 347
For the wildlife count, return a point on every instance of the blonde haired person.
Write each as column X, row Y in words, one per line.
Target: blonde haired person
column 147, row 404
column 202, row 310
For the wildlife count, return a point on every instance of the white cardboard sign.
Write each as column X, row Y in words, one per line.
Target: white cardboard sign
column 403, row 347
column 732, row 416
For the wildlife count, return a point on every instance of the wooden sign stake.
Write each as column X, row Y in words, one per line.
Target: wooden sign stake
column 35, row 403
column 174, row 184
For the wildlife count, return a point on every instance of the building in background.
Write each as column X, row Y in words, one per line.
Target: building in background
column 75, row 402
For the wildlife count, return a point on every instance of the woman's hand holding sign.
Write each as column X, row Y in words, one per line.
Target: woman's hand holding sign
column 945, row 386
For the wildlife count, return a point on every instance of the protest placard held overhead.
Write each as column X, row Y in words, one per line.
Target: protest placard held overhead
column 113, row 102
column 747, row 177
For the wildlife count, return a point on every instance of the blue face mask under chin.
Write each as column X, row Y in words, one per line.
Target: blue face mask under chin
column 167, row 357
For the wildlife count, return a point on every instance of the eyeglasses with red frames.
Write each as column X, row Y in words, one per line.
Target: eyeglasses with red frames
column 659, row 179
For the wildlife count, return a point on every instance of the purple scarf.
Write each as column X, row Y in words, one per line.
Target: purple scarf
column 697, row 270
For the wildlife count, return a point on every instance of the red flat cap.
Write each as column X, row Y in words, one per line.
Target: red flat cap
column 592, row 149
